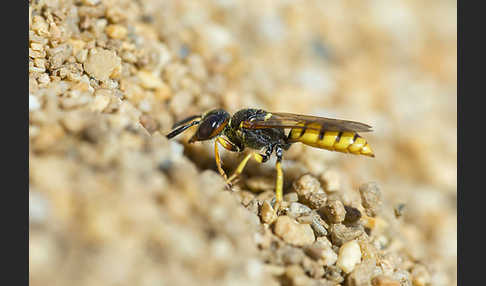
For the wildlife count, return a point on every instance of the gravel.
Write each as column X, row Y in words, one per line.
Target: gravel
column 113, row 202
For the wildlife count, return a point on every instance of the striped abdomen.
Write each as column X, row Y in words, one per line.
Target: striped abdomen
column 340, row 141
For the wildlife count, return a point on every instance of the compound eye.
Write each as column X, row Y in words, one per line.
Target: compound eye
column 208, row 127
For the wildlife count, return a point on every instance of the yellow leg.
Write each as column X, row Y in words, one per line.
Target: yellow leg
column 218, row 160
column 279, row 184
column 243, row 163
column 240, row 168
column 279, row 179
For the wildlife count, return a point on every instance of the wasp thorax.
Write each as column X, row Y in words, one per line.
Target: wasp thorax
column 211, row 125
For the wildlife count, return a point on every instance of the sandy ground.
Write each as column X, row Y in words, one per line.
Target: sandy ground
column 113, row 202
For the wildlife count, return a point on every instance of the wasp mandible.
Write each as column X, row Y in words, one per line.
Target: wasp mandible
column 265, row 133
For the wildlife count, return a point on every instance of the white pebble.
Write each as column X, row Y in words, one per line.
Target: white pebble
column 349, row 256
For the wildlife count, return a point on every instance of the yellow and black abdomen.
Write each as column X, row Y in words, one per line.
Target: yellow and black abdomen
column 340, row 141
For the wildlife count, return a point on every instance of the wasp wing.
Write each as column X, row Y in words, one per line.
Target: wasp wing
column 290, row 120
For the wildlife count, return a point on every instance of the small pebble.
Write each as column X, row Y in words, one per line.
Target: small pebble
column 349, row 256
column 40, row 26
column 371, row 198
column 306, row 184
column 334, row 211
column 323, row 241
column 328, row 256
column 292, row 232
column 44, row 79
column 383, row 280
column 36, row 46
column 102, row 63
column 314, row 200
column 319, row 226
column 40, row 63
column 267, row 213
column 341, row 234
column 298, row 209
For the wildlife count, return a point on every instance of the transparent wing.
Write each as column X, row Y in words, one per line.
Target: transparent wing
column 290, row 120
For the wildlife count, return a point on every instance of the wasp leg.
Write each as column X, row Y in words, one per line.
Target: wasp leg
column 218, row 159
column 228, row 146
column 279, row 179
column 259, row 158
column 240, row 168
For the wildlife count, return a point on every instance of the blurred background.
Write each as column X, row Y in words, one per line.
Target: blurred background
column 112, row 202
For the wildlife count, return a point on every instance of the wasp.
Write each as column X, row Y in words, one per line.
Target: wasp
column 265, row 133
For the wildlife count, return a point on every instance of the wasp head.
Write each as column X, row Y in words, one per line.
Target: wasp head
column 211, row 124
